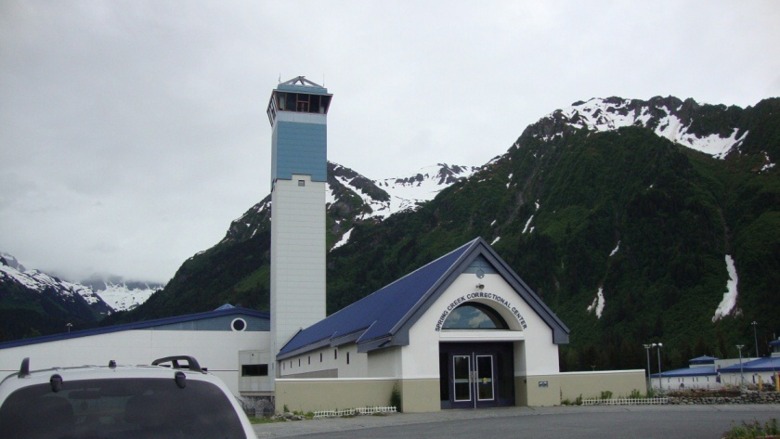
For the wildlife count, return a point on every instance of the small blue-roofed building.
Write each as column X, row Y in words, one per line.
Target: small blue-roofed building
column 231, row 342
column 462, row 331
column 701, row 373
column 764, row 370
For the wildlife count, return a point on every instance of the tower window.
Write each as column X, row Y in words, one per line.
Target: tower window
column 335, row 354
column 301, row 183
column 347, row 357
column 320, row 357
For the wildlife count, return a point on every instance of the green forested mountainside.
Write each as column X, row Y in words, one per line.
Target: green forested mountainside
column 646, row 221
column 24, row 313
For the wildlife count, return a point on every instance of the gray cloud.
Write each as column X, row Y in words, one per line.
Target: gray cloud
column 133, row 132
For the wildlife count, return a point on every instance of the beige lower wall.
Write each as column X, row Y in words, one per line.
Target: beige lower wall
column 590, row 384
column 309, row 395
column 420, row 395
column 538, row 390
column 327, row 373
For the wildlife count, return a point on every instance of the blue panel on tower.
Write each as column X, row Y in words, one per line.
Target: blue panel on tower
column 299, row 148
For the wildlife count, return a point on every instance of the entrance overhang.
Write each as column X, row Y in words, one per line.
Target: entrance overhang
column 480, row 336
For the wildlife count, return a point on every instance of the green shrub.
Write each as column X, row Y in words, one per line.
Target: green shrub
column 395, row 398
column 753, row 430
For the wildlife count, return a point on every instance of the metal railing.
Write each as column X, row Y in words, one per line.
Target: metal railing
column 354, row 412
column 625, row 401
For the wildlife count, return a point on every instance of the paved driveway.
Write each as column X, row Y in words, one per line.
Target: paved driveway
column 663, row 422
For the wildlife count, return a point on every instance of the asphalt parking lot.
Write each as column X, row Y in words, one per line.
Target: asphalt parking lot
column 667, row 422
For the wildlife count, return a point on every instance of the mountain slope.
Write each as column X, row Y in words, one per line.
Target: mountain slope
column 34, row 303
column 636, row 221
column 236, row 270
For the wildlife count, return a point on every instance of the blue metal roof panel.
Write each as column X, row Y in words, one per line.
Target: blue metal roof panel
column 765, row 364
column 148, row 324
column 688, row 372
column 379, row 312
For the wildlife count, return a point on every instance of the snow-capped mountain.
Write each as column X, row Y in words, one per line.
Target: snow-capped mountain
column 101, row 297
column 352, row 197
column 671, row 118
column 13, row 271
column 122, row 295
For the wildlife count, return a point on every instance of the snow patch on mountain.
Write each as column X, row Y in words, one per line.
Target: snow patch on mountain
column 729, row 301
column 609, row 114
column 120, row 297
column 615, row 250
column 598, row 303
column 409, row 192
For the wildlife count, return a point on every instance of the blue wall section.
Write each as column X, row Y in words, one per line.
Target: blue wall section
column 299, row 148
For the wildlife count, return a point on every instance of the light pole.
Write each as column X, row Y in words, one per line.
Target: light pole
column 755, row 335
column 660, row 383
column 741, row 371
column 647, row 350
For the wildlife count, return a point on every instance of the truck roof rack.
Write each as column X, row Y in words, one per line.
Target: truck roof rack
column 192, row 363
column 24, row 369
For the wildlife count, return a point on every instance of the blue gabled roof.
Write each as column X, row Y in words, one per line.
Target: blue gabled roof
column 384, row 317
column 688, row 372
column 765, row 364
column 147, row 324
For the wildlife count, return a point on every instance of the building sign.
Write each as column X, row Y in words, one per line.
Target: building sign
column 480, row 295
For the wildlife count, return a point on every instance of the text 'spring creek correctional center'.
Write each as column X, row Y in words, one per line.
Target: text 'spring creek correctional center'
column 463, row 331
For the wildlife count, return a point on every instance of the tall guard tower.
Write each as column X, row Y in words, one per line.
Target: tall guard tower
column 298, row 111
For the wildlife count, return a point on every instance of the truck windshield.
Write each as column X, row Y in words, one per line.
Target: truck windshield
column 120, row 408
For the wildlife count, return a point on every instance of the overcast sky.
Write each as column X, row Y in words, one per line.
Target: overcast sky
column 133, row 132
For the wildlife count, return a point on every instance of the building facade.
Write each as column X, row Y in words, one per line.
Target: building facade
column 461, row 331
column 231, row 342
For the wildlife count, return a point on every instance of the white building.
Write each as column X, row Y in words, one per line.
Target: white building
column 461, row 331
column 232, row 343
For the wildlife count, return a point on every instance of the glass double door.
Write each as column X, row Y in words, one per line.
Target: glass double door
column 472, row 378
column 474, row 375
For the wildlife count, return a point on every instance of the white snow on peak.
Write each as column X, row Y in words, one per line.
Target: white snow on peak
column 405, row 193
column 122, row 298
column 598, row 303
column 118, row 296
column 729, row 300
column 38, row 281
column 599, row 115
column 408, row 193
column 615, row 250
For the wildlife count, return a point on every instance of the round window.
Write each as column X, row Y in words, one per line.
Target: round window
column 238, row 324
